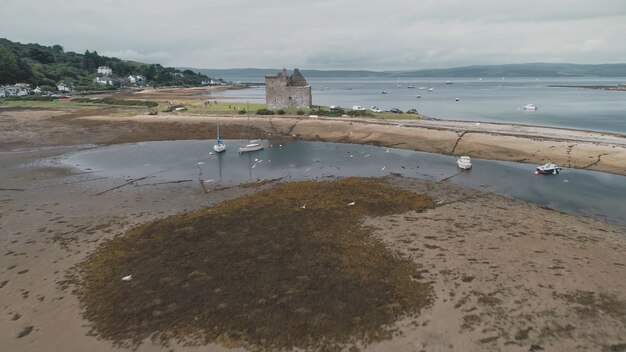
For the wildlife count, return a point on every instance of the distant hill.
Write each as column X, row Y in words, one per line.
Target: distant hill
column 46, row 66
column 512, row 70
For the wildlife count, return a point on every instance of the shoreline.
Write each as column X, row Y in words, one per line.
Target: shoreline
column 507, row 274
column 579, row 149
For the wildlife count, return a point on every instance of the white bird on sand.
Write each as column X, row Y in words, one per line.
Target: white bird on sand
column 439, row 202
column 382, row 169
column 307, row 169
column 127, row 278
column 303, row 207
column 200, row 162
column 351, row 203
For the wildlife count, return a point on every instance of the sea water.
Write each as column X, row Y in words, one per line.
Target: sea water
column 584, row 192
column 479, row 99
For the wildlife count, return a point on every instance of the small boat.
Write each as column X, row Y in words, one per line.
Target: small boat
column 418, row 96
column 464, row 162
column 431, row 89
column 448, row 82
column 219, row 146
column 383, row 92
column 410, row 86
column 548, row 169
column 530, row 107
column 250, row 147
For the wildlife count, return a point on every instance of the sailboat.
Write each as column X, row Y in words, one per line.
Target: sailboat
column 252, row 145
column 219, row 146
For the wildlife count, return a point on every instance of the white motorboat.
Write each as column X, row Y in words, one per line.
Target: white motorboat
column 530, row 107
column 464, row 162
column 383, row 92
column 250, row 147
column 548, row 169
column 410, row 86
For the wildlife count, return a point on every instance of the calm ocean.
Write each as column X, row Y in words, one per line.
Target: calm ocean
column 479, row 99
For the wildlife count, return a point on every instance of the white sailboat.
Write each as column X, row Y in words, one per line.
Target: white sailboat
column 219, row 146
column 253, row 145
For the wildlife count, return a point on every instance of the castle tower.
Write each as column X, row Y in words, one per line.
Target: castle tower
column 287, row 92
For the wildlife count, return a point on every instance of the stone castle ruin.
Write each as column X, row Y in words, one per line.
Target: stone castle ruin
column 287, row 92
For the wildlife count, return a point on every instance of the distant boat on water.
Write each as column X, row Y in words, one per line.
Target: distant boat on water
column 410, row 86
column 530, row 107
column 448, row 82
column 383, row 92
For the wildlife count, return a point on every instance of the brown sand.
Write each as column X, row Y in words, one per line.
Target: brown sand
column 507, row 275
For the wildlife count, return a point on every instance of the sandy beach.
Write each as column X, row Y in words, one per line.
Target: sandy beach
column 505, row 275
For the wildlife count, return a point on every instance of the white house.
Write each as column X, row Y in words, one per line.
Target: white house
column 2, row 92
column 37, row 90
column 14, row 91
column 62, row 87
column 105, row 70
column 104, row 80
column 131, row 79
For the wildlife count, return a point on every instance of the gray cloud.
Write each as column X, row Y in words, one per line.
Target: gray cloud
column 345, row 34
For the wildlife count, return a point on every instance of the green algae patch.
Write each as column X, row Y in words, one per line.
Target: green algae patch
column 287, row 267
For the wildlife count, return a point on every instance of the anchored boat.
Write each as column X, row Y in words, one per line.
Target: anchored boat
column 548, row 169
column 464, row 162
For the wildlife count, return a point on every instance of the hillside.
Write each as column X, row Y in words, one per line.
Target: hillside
column 512, row 70
column 47, row 66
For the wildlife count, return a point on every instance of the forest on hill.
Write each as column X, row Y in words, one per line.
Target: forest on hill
column 47, row 66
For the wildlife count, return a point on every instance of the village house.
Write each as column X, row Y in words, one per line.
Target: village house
column 17, row 90
column 135, row 79
column 105, row 70
column 104, row 80
column 287, row 92
column 63, row 87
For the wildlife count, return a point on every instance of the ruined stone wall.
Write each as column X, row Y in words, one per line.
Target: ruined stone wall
column 280, row 95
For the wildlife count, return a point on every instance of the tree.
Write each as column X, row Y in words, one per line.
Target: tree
column 43, row 56
column 151, row 73
column 8, row 66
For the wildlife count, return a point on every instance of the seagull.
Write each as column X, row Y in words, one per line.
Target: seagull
column 303, row 207
column 439, row 202
column 127, row 278
column 351, row 203
column 253, row 166
column 200, row 162
column 382, row 169
column 307, row 169
column 387, row 151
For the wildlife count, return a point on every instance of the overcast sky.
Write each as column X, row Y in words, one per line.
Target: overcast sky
column 326, row 34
